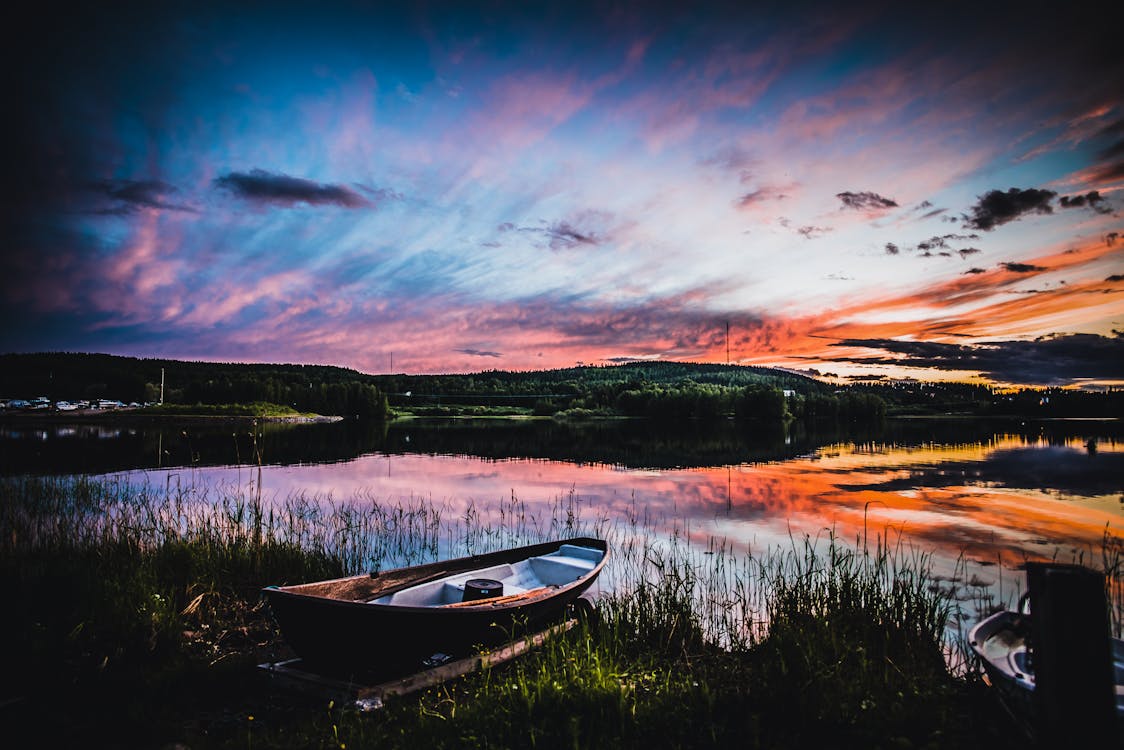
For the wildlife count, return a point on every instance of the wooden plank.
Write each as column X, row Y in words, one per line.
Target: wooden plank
column 497, row 600
column 372, row 696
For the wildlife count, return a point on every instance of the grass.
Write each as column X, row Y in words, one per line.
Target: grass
column 260, row 409
column 139, row 625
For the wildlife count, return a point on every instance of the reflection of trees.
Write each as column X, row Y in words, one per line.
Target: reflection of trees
column 93, row 448
column 630, row 443
column 89, row 448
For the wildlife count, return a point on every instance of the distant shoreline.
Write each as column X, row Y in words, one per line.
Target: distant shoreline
column 137, row 415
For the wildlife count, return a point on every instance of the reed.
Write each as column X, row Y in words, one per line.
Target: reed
column 138, row 607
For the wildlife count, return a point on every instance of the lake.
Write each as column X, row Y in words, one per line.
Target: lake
column 982, row 495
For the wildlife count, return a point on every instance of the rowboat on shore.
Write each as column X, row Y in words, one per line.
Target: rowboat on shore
column 395, row 619
column 1003, row 644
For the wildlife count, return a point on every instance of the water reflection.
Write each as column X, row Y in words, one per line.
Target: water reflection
column 1004, row 500
column 994, row 493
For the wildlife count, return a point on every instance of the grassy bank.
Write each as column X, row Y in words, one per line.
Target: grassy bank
column 259, row 409
column 138, row 624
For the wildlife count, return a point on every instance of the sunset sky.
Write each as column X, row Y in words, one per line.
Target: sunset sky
column 451, row 187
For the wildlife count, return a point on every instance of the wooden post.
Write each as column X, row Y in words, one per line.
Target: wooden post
column 1074, row 689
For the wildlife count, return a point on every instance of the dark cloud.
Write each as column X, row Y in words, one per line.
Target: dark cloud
column 1108, row 172
column 1110, row 167
column 565, row 235
column 810, row 232
column 1110, row 238
column 759, row 196
column 1051, row 360
column 973, row 271
column 996, row 207
column 1115, row 151
column 261, row 186
column 129, row 196
column 1113, row 129
column 478, row 353
column 866, row 201
column 1022, row 267
column 1116, row 277
column 923, row 205
column 1093, row 199
column 941, row 243
column 935, row 212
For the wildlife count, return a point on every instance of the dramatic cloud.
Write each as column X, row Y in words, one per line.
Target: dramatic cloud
column 267, row 187
column 582, row 183
column 478, row 353
column 974, row 271
column 996, row 207
column 1022, row 267
column 1116, row 277
column 1093, row 199
column 127, row 196
column 1051, row 360
column 866, row 201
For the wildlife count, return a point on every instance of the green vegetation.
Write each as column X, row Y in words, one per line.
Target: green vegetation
column 255, row 409
column 139, row 624
column 305, row 388
column 918, row 398
column 659, row 390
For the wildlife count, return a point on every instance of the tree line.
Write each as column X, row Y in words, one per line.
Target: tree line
column 308, row 388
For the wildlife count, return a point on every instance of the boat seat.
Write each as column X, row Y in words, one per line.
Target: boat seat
column 556, row 570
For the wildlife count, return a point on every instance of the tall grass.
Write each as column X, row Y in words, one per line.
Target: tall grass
column 149, row 592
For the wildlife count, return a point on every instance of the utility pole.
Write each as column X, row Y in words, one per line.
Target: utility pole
column 161, row 386
column 727, row 342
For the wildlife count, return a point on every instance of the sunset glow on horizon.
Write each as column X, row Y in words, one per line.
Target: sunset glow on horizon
column 865, row 190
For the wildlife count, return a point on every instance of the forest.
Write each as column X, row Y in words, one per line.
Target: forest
column 659, row 390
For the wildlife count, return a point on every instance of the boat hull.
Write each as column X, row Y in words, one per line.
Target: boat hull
column 334, row 625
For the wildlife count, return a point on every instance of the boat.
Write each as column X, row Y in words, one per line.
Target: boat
column 1002, row 642
column 403, row 618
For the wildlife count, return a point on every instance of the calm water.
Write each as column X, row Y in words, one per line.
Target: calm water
column 991, row 493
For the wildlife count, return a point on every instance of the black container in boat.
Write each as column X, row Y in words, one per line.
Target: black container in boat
column 481, row 588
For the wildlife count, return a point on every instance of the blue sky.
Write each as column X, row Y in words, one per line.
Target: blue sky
column 463, row 187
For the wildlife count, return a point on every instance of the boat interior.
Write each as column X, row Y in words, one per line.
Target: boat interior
column 522, row 579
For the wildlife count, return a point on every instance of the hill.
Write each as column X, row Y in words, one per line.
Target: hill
column 635, row 388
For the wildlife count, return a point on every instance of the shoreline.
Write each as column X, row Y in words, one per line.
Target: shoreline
column 137, row 415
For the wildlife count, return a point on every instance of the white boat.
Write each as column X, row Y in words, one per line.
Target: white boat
column 399, row 617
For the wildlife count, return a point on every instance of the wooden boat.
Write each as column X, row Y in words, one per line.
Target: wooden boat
column 395, row 619
column 1002, row 643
